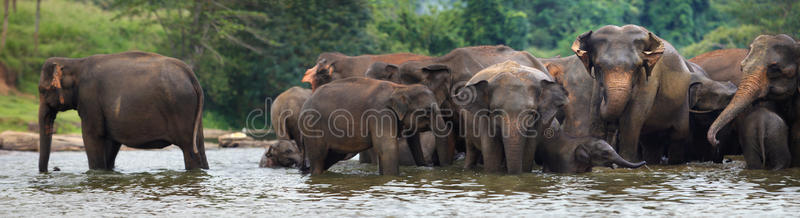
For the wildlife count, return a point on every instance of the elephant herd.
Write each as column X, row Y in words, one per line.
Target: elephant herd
column 626, row 98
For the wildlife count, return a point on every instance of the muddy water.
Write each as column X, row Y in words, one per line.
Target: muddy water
column 154, row 183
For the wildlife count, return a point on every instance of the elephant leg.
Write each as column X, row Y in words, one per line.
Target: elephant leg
column 111, row 154
column 98, row 152
column 776, row 145
column 471, row 157
column 493, row 152
column 629, row 131
column 365, row 157
column 750, row 150
column 192, row 160
column 794, row 147
column 414, row 145
column 316, row 154
column 679, row 138
column 388, row 162
column 445, row 154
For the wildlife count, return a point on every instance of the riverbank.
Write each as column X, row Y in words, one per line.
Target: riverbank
column 28, row 141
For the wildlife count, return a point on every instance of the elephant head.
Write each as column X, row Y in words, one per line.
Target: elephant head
column 517, row 100
column 322, row 72
column 618, row 57
column 283, row 153
column 417, row 111
column 57, row 92
column 706, row 94
column 383, row 71
column 597, row 152
column 770, row 72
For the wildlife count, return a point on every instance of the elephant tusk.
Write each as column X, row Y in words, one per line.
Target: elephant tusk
column 700, row 111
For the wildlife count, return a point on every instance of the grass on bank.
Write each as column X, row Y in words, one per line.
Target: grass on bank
column 18, row 111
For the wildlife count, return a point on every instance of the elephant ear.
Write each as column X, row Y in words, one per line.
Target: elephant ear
column 694, row 92
column 399, row 102
column 56, row 82
column 652, row 52
column 582, row 154
column 437, row 77
column 382, row 71
column 268, row 153
column 554, row 98
column 555, row 70
column 581, row 49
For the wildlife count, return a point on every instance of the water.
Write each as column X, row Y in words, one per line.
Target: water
column 154, row 183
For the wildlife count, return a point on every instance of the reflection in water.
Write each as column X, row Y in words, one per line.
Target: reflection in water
column 154, row 183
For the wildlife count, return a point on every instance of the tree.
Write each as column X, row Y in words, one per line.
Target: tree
column 36, row 29
column 5, row 25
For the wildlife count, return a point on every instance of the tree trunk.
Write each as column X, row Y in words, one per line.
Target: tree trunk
column 14, row 5
column 36, row 29
column 5, row 25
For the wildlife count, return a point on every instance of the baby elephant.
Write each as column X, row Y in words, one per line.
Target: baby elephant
column 567, row 154
column 354, row 114
column 283, row 153
column 764, row 137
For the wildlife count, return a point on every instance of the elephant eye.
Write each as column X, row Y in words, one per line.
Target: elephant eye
column 289, row 151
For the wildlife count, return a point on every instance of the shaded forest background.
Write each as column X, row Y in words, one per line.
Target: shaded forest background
column 245, row 51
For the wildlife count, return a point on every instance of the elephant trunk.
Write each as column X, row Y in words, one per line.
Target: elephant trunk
column 617, row 94
column 47, row 117
column 441, row 133
column 751, row 87
column 625, row 163
column 512, row 145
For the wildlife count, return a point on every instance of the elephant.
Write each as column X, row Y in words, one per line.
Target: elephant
column 447, row 74
column 764, row 137
column 707, row 97
column 644, row 84
column 508, row 105
column 770, row 75
column 334, row 65
column 285, row 113
column 354, row 114
column 723, row 64
column 140, row 99
column 563, row 153
column 706, row 94
column 284, row 153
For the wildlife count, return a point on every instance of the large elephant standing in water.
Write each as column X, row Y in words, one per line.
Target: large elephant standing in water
column 140, row 99
column 331, row 66
column 644, row 84
column 509, row 106
column 770, row 74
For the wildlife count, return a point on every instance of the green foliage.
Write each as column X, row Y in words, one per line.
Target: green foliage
column 17, row 111
column 397, row 27
column 69, row 29
column 488, row 22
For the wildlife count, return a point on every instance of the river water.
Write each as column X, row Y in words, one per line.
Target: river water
column 154, row 183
